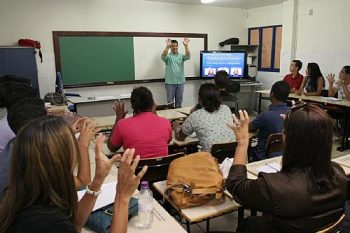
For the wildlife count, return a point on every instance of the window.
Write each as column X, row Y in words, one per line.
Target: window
column 269, row 40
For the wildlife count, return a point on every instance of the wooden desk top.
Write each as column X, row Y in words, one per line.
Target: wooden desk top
column 344, row 103
column 184, row 110
column 108, row 121
column 199, row 213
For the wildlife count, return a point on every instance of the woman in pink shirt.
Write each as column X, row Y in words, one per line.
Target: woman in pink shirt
column 148, row 133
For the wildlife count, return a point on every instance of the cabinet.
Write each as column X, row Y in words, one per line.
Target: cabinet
column 252, row 57
column 19, row 61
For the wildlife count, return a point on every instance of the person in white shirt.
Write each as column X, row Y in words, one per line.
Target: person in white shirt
column 342, row 85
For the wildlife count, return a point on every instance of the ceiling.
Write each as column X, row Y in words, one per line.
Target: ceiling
column 245, row 4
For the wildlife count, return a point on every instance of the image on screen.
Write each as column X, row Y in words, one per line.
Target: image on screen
column 234, row 63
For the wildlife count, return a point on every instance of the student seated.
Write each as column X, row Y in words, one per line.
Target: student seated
column 294, row 79
column 41, row 196
column 148, row 133
column 12, row 91
column 270, row 122
column 209, row 122
column 17, row 116
column 309, row 192
column 226, row 87
column 341, row 86
column 313, row 82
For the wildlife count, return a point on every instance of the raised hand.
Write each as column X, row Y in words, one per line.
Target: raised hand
column 240, row 126
column 186, row 42
column 127, row 180
column 330, row 78
column 103, row 164
column 168, row 43
column 87, row 131
column 119, row 109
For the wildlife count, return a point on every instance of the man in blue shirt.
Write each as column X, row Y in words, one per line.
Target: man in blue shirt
column 174, row 70
column 270, row 122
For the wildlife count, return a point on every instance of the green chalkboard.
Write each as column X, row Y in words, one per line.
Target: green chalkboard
column 96, row 59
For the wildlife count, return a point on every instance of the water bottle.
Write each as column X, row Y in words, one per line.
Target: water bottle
column 145, row 214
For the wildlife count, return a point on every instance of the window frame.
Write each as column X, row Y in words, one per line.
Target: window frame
column 273, row 47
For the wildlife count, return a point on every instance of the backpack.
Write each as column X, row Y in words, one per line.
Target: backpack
column 195, row 180
column 31, row 43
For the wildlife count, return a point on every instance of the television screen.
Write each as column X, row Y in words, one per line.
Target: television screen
column 234, row 63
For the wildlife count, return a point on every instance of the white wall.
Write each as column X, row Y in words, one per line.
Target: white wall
column 320, row 35
column 323, row 37
column 37, row 19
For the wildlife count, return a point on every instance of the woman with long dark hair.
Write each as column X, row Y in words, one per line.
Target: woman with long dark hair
column 309, row 192
column 313, row 81
column 41, row 195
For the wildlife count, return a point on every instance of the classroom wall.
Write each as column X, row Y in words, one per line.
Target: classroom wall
column 37, row 19
column 313, row 31
column 323, row 36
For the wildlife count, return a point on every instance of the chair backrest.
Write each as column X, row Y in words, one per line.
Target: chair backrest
column 222, row 150
column 334, row 227
column 157, row 167
column 274, row 145
column 165, row 106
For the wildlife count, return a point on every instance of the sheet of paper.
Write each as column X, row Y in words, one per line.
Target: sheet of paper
column 106, row 196
column 269, row 167
column 330, row 98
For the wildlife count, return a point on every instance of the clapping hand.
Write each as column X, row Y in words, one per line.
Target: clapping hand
column 330, row 78
column 186, row 42
column 119, row 109
column 127, row 180
column 103, row 164
column 87, row 131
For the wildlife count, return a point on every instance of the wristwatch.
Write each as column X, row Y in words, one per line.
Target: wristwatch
column 91, row 192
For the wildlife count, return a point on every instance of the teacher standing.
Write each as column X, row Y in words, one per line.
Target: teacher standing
column 174, row 70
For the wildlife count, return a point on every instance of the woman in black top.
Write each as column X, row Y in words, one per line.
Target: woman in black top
column 41, row 195
column 309, row 192
column 313, row 81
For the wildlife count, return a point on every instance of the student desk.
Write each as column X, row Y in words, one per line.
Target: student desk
column 97, row 106
column 255, row 167
column 108, row 121
column 162, row 221
column 198, row 213
column 344, row 104
column 184, row 110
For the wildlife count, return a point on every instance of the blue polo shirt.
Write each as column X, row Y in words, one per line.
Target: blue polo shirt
column 267, row 123
column 174, row 70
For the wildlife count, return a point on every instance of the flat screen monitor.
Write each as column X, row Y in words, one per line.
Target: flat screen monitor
column 233, row 62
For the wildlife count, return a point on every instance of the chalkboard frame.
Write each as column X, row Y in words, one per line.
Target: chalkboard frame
column 58, row 34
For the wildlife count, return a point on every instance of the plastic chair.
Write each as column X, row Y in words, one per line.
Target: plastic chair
column 274, row 145
column 222, row 150
column 157, row 167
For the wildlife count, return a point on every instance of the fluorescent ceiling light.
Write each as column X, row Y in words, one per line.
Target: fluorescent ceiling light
column 207, row 1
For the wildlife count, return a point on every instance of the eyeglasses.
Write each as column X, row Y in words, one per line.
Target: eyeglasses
column 300, row 106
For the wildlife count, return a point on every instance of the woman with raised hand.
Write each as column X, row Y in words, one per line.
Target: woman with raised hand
column 309, row 192
column 41, row 196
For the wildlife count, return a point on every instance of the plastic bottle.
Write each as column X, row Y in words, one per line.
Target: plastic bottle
column 145, row 204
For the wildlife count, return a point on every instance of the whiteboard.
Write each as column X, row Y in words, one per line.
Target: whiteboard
column 148, row 62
